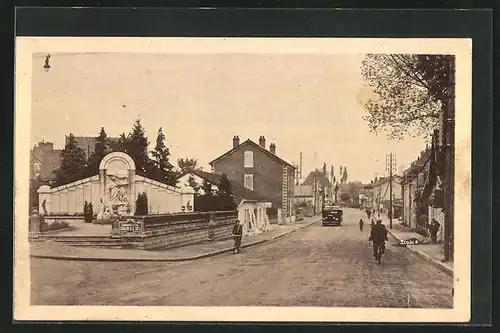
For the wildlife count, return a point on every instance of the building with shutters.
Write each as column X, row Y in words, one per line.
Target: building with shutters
column 262, row 171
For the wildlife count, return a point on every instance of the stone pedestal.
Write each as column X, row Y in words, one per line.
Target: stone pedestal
column 34, row 226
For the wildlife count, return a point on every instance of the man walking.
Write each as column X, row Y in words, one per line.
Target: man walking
column 378, row 236
column 361, row 224
column 237, row 234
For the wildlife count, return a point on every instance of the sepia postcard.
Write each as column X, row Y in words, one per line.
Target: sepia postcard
column 243, row 179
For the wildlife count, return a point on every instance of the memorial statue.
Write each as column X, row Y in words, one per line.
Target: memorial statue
column 44, row 207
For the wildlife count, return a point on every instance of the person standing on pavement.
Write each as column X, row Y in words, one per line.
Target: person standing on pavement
column 237, row 235
column 361, row 224
column 434, row 230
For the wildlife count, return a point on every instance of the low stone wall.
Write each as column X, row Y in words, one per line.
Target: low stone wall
column 177, row 230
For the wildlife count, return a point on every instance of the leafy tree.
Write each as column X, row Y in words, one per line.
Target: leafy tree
column 410, row 91
column 100, row 150
column 205, row 202
column 187, row 164
column 207, row 189
column 162, row 169
column 73, row 163
column 193, row 184
column 225, row 199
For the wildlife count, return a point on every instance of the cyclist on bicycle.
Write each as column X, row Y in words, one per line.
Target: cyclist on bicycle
column 378, row 236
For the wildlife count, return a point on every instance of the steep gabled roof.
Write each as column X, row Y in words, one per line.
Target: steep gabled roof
column 248, row 141
column 318, row 176
column 416, row 167
column 240, row 192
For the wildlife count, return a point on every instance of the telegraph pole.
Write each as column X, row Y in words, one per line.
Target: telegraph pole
column 390, row 191
column 390, row 163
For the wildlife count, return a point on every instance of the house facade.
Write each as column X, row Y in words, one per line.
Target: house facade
column 44, row 162
column 422, row 191
column 413, row 182
column 380, row 193
column 261, row 170
column 322, row 187
column 251, row 206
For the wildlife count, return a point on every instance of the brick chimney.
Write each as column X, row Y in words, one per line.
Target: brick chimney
column 262, row 141
column 46, row 146
column 272, row 148
column 236, row 141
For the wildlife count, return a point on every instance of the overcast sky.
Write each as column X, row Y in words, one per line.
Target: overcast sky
column 302, row 103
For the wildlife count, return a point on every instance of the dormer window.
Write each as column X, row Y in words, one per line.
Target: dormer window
column 248, row 159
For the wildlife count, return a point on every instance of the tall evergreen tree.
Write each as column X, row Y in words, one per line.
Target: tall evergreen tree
column 100, row 150
column 162, row 168
column 137, row 147
column 136, row 144
column 73, row 163
column 344, row 175
column 224, row 195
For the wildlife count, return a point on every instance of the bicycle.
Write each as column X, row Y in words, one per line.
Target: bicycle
column 379, row 251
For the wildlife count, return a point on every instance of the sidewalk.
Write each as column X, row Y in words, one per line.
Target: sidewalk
column 61, row 251
column 431, row 252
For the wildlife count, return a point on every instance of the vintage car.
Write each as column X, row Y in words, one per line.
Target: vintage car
column 332, row 215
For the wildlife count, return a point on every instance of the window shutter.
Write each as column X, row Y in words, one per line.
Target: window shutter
column 248, row 159
column 248, row 181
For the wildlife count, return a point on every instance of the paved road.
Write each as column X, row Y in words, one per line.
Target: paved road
column 316, row 266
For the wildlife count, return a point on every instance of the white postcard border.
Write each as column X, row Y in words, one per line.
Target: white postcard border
column 26, row 46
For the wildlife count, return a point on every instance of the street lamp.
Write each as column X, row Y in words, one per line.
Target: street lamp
column 46, row 67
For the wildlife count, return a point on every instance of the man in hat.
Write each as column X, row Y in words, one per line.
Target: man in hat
column 378, row 236
column 237, row 235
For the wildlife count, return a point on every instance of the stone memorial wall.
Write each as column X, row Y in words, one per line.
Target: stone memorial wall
column 114, row 191
column 175, row 230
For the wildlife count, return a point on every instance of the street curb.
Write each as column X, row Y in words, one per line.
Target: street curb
column 293, row 230
column 425, row 256
column 201, row 256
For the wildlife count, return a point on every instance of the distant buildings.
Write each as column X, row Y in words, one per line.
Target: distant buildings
column 316, row 189
column 380, row 190
column 45, row 160
column 87, row 144
column 262, row 171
